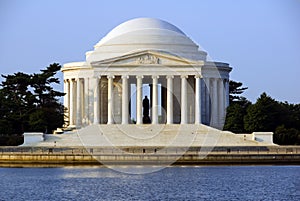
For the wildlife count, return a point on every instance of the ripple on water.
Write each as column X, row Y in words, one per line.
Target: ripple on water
column 173, row 183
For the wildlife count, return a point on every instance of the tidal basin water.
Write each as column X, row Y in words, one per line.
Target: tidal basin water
column 172, row 183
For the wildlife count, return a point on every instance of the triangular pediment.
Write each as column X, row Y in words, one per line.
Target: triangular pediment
column 144, row 58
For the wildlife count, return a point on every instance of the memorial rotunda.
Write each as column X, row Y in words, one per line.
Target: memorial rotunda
column 146, row 55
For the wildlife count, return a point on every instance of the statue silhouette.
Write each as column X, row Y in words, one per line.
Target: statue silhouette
column 146, row 107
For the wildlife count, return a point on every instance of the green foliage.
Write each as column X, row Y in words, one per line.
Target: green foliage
column 16, row 102
column 11, row 140
column 237, row 109
column 29, row 102
column 281, row 118
column 235, row 118
column 266, row 114
column 286, row 136
column 235, row 89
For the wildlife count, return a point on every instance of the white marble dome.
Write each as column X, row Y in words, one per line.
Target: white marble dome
column 145, row 34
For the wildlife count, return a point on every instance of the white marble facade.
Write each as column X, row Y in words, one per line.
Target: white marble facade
column 184, row 87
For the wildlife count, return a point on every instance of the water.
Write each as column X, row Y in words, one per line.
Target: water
column 173, row 183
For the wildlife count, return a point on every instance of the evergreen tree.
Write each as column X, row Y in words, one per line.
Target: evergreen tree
column 42, row 85
column 235, row 89
column 17, row 102
column 290, row 115
column 237, row 108
column 29, row 102
column 286, row 136
column 264, row 115
column 235, row 116
column 48, row 114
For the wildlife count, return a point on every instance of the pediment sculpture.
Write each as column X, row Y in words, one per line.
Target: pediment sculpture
column 148, row 59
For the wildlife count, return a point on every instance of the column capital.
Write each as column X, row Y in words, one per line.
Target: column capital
column 79, row 79
column 170, row 76
column 110, row 76
column 97, row 77
column 184, row 76
column 139, row 77
column 198, row 76
column 125, row 76
column 155, row 76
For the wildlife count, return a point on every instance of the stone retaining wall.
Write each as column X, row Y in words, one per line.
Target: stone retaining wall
column 149, row 155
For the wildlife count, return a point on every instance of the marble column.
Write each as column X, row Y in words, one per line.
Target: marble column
column 78, row 102
column 170, row 99
column 139, row 99
column 125, row 100
column 207, row 101
column 110, row 97
column 129, row 100
column 72, row 101
column 86, row 101
column 163, row 101
column 150, row 100
column 96, row 100
column 67, row 101
column 155, row 99
column 214, row 108
column 221, row 101
column 184, row 99
column 198, row 99
column 226, row 93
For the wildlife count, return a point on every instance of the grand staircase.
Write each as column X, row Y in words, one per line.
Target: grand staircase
column 148, row 135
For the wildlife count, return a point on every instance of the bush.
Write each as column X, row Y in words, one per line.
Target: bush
column 11, row 140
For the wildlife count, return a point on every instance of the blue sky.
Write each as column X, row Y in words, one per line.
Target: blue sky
column 260, row 39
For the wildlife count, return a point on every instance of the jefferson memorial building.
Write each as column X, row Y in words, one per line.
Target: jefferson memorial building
column 146, row 57
column 146, row 84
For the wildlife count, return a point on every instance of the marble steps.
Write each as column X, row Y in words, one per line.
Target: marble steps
column 147, row 135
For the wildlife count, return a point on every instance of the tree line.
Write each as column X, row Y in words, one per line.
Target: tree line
column 28, row 102
column 266, row 115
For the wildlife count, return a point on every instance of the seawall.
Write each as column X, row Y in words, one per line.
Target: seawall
column 61, row 156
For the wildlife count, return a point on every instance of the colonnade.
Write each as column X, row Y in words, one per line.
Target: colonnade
column 211, row 97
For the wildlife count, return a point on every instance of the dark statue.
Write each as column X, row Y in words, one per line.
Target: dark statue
column 146, row 107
